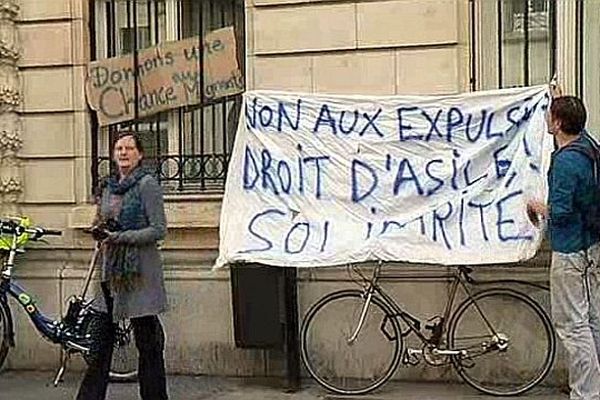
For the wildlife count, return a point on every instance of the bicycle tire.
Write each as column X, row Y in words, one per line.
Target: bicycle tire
column 125, row 355
column 353, row 364
column 518, row 366
column 124, row 358
column 4, row 329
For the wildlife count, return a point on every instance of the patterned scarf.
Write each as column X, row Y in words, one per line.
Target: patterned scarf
column 122, row 260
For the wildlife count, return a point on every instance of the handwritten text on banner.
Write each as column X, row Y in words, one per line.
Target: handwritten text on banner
column 325, row 180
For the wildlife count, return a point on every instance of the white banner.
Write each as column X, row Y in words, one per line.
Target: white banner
column 318, row 180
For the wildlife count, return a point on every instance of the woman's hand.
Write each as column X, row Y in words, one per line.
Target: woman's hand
column 112, row 237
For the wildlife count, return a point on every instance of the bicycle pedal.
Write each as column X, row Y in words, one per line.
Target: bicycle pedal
column 412, row 357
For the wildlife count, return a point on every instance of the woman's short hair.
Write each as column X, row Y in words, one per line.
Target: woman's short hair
column 136, row 139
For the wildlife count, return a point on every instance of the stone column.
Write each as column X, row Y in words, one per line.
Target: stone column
column 11, row 186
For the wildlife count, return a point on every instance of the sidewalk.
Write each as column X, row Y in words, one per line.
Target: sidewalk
column 37, row 386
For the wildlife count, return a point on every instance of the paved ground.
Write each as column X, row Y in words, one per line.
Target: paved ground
column 36, row 386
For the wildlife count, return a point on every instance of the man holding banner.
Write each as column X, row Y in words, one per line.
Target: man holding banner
column 573, row 213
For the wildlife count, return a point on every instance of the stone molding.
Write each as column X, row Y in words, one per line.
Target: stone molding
column 9, row 9
column 11, row 183
column 8, row 53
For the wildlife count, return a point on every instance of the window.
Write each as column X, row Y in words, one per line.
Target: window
column 514, row 42
column 588, row 81
column 128, row 38
column 188, row 147
column 533, row 14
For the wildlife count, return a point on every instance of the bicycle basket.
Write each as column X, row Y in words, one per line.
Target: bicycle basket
column 6, row 240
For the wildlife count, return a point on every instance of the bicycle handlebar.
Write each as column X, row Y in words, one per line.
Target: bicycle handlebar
column 12, row 227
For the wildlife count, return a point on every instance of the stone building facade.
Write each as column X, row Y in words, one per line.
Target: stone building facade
column 52, row 151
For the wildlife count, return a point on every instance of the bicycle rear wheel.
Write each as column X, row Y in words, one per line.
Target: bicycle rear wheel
column 508, row 341
column 125, row 355
column 350, row 368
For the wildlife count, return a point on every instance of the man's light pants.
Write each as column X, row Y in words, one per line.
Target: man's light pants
column 575, row 301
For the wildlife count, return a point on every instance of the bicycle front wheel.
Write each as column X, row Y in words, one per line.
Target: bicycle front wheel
column 506, row 339
column 5, row 319
column 342, row 366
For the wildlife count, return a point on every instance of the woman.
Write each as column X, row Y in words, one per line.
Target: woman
column 132, row 273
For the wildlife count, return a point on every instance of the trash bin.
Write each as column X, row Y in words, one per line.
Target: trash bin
column 265, row 312
column 258, row 306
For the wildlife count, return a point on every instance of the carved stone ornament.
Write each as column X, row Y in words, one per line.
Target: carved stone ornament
column 9, row 96
column 10, row 142
column 8, row 9
column 11, row 185
column 8, row 53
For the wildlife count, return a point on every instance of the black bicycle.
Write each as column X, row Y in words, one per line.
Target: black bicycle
column 77, row 331
column 499, row 340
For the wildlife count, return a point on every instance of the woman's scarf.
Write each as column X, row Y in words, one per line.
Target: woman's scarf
column 122, row 259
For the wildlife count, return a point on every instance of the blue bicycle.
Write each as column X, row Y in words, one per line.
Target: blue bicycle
column 78, row 331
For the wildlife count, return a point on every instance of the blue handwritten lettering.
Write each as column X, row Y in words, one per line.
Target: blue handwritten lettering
column 251, row 228
column 268, row 111
column 317, row 161
column 341, row 123
column 325, row 236
column 439, row 219
column 402, row 128
column 285, row 176
column 481, row 123
column 401, row 178
column 249, row 168
column 300, row 249
column 325, row 118
column 502, row 220
column 267, row 179
column 432, row 124
column 439, row 182
column 489, row 133
column 282, row 113
column 371, row 123
column 481, row 207
column 454, row 119
column 502, row 164
column 358, row 193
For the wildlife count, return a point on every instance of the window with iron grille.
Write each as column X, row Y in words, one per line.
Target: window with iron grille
column 513, row 42
column 189, row 147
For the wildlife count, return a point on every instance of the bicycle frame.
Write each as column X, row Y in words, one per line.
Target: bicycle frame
column 460, row 278
column 69, row 331
column 49, row 328
column 46, row 326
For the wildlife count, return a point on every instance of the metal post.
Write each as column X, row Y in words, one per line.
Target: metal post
column 93, row 116
column 500, row 37
column 292, row 344
column 526, row 43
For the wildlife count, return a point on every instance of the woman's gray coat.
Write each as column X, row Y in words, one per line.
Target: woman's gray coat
column 148, row 297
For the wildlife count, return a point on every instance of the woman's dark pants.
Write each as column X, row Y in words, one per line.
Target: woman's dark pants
column 150, row 342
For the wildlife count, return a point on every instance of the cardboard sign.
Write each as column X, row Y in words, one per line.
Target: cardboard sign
column 168, row 76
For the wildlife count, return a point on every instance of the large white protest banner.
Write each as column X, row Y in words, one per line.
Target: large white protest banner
column 318, row 180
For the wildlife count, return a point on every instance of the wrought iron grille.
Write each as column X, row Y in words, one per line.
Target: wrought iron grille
column 188, row 148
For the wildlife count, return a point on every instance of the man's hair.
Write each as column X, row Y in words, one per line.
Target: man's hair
column 570, row 113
